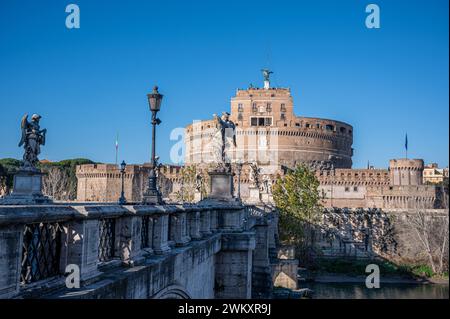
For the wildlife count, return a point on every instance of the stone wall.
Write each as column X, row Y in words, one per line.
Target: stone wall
column 367, row 233
column 208, row 250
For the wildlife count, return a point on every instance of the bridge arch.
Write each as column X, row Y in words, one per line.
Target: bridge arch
column 172, row 292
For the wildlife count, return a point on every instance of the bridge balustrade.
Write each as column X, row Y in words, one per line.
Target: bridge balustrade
column 37, row 243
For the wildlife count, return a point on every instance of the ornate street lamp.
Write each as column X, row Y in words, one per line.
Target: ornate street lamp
column 122, row 199
column 152, row 194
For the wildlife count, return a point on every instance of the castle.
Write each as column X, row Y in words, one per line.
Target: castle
column 269, row 134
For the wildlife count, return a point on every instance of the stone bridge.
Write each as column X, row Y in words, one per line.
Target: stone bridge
column 219, row 250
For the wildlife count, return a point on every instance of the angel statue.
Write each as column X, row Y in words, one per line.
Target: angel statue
column 225, row 138
column 254, row 174
column 198, row 182
column 32, row 139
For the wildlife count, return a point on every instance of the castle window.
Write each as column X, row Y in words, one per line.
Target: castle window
column 240, row 107
column 283, row 116
column 355, row 188
column 261, row 121
column 283, row 107
column 318, row 125
column 329, row 127
column 342, row 129
column 347, row 189
column 297, row 124
column 254, row 108
column 240, row 118
column 350, row 132
column 269, row 107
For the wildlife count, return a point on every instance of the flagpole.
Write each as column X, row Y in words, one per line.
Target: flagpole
column 117, row 146
column 406, row 145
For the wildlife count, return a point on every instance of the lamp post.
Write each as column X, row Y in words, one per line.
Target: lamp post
column 122, row 199
column 152, row 194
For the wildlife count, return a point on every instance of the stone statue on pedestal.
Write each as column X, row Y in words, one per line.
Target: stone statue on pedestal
column 224, row 141
column 223, row 144
column 267, row 184
column 27, row 185
column 32, row 139
column 254, row 175
column 255, row 183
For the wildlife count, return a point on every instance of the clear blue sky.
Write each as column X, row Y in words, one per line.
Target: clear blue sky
column 91, row 82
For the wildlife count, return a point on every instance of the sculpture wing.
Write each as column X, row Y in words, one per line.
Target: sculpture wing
column 24, row 125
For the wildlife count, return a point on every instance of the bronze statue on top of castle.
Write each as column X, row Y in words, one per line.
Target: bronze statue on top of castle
column 224, row 140
column 32, row 139
column 266, row 74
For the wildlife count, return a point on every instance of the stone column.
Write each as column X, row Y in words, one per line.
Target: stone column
column 194, row 225
column 10, row 260
column 214, row 221
column 82, row 246
column 205, row 223
column 261, row 270
column 179, row 229
column 161, row 233
column 147, row 246
column 130, row 240
column 234, row 266
column 233, row 219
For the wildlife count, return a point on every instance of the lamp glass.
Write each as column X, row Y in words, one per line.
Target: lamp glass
column 154, row 100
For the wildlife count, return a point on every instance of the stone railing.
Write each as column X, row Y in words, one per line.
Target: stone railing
column 38, row 243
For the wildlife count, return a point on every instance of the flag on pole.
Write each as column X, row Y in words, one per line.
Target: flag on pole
column 117, row 145
column 406, row 144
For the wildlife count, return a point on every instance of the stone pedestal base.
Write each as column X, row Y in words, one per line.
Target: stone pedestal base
column 221, row 185
column 254, row 195
column 197, row 196
column 152, row 198
column 27, row 190
column 266, row 198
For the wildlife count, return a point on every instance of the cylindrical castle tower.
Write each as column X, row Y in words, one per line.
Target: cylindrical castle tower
column 405, row 171
column 268, row 131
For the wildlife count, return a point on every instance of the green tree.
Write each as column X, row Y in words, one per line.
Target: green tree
column 8, row 166
column 297, row 198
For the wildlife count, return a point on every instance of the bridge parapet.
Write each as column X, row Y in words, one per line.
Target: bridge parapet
column 37, row 243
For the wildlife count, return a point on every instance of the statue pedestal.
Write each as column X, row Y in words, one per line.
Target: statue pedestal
column 254, row 195
column 221, row 185
column 197, row 196
column 27, row 189
column 266, row 198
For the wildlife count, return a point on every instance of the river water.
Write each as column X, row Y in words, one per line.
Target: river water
column 386, row 291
